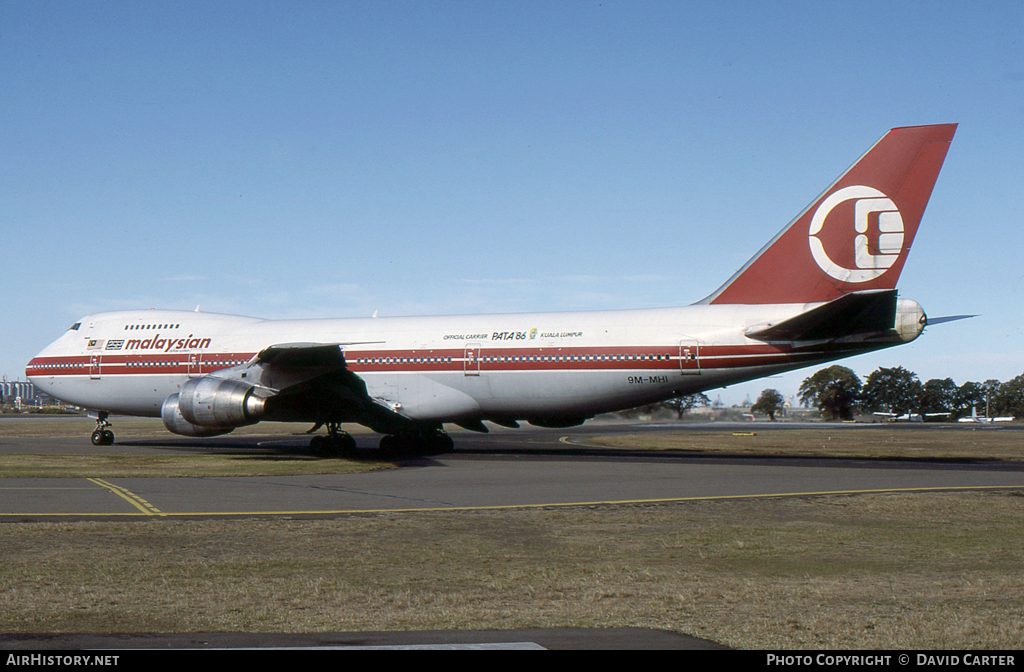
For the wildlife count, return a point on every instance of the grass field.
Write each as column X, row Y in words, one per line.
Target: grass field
column 924, row 570
column 70, row 426
column 111, row 464
column 934, row 570
column 870, row 442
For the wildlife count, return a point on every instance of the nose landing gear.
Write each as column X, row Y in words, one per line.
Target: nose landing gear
column 102, row 436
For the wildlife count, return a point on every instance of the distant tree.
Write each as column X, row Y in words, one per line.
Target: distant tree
column 770, row 402
column 969, row 395
column 940, row 396
column 991, row 387
column 833, row 391
column 1009, row 399
column 894, row 390
column 685, row 404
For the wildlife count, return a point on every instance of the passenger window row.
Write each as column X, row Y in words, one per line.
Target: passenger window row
column 503, row 359
column 403, row 360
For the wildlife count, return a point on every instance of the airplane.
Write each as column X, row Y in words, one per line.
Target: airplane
column 822, row 289
column 983, row 419
column 908, row 417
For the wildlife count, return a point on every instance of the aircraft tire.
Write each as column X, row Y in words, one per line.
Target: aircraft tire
column 347, row 443
column 102, row 437
column 317, row 443
column 342, row 444
column 390, row 445
column 438, row 444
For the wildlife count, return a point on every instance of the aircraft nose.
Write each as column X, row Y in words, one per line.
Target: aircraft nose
column 35, row 365
column 41, row 364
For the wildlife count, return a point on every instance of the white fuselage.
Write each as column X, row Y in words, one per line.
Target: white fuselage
column 437, row 368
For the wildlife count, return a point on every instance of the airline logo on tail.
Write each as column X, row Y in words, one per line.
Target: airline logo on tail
column 869, row 205
column 855, row 236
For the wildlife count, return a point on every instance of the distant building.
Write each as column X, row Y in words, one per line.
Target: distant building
column 11, row 391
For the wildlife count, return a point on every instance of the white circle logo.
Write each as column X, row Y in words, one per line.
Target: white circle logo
column 890, row 236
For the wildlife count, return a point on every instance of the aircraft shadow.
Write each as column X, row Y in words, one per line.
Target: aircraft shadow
column 297, row 447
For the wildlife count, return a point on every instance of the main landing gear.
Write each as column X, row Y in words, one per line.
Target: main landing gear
column 412, row 443
column 102, row 436
column 336, row 442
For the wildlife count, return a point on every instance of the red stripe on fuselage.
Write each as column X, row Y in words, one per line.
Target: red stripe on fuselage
column 439, row 360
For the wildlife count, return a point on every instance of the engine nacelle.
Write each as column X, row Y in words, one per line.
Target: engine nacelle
column 209, row 406
column 217, row 402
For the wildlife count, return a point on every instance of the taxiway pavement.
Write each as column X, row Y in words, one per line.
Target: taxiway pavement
column 529, row 468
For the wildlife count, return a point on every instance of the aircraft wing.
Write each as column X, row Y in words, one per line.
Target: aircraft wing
column 304, row 355
column 312, row 380
column 854, row 313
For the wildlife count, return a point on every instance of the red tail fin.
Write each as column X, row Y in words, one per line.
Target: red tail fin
column 857, row 234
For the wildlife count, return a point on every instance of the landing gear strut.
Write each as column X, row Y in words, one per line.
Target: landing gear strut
column 102, row 436
column 336, row 441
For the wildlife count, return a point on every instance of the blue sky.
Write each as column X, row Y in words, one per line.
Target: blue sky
column 332, row 159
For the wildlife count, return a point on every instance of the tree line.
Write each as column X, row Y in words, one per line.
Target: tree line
column 837, row 392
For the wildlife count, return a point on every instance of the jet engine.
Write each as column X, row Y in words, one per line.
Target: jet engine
column 210, row 406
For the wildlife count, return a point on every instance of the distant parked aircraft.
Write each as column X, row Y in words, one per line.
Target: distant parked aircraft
column 909, row 417
column 981, row 418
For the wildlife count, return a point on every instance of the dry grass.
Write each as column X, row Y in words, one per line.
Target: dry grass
column 935, row 570
column 112, row 465
column 955, row 442
column 74, row 427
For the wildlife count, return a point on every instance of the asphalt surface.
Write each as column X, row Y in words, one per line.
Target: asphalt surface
column 522, row 468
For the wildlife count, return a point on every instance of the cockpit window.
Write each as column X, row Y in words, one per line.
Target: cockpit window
column 75, row 326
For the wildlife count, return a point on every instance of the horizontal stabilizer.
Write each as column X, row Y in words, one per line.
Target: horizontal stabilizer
column 856, row 313
column 949, row 318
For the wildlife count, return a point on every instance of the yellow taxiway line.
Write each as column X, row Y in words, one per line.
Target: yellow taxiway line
column 148, row 509
column 129, row 496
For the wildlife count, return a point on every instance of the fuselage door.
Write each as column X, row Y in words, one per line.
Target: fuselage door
column 195, row 362
column 94, row 365
column 472, row 359
column 689, row 357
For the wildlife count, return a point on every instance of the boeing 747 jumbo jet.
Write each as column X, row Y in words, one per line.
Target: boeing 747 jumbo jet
column 824, row 288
